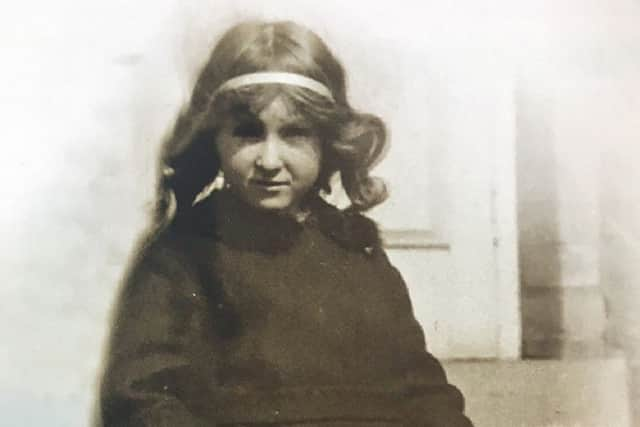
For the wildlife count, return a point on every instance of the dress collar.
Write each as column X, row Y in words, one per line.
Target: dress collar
column 230, row 220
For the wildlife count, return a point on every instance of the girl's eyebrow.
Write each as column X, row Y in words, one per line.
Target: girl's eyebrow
column 244, row 116
column 296, row 121
column 243, row 120
column 247, row 119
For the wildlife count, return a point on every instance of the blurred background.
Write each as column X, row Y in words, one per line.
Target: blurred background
column 515, row 207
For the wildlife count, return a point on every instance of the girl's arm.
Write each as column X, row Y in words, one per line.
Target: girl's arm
column 151, row 378
column 430, row 400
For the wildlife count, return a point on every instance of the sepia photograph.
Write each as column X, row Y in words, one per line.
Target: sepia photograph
column 320, row 213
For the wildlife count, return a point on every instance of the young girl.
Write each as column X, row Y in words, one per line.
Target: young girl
column 255, row 302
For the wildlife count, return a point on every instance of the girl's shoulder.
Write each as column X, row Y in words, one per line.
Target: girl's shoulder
column 164, row 252
column 347, row 227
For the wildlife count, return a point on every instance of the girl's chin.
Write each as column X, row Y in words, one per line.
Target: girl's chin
column 273, row 204
column 278, row 202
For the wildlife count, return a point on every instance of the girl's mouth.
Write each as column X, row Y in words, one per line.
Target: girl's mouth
column 269, row 183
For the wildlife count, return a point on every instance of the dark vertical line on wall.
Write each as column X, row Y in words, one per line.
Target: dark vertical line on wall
column 538, row 235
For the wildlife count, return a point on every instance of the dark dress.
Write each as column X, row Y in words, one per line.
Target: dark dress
column 247, row 318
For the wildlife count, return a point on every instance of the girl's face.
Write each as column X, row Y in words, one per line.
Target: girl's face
column 272, row 160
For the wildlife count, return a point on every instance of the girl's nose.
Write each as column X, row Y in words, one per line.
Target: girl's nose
column 269, row 157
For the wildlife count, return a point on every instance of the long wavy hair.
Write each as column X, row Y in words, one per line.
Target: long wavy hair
column 352, row 141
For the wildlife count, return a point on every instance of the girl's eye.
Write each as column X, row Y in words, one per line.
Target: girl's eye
column 248, row 130
column 295, row 131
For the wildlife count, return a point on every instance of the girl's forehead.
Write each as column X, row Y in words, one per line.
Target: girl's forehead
column 280, row 111
column 277, row 111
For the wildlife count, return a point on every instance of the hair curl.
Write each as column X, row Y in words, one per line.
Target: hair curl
column 352, row 141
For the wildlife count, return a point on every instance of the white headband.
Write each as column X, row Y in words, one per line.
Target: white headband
column 275, row 77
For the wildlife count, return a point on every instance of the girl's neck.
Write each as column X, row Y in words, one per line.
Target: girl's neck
column 228, row 203
column 241, row 225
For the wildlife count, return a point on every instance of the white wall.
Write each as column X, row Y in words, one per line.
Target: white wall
column 578, row 144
